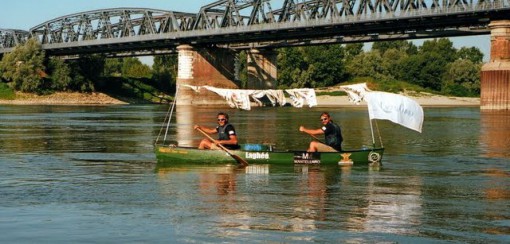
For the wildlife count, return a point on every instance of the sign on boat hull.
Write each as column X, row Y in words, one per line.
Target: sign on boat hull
column 192, row 155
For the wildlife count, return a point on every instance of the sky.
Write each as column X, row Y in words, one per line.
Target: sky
column 25, row 14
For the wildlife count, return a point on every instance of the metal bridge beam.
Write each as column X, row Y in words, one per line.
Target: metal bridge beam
column 246, row 23
column 9, row 38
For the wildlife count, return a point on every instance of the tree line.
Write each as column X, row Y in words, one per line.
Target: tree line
column 435, row 66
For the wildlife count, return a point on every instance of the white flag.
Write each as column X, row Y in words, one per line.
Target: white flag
column 396, row 108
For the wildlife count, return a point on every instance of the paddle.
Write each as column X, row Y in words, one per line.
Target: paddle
column 238, row 159
column 319, row 140
column 314, row 137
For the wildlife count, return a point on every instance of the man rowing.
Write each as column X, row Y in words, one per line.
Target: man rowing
column 226, row 134
column 332, row 134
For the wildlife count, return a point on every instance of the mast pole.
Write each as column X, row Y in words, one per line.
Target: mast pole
column 378, row 133
column 171, row 112
column 372, row 131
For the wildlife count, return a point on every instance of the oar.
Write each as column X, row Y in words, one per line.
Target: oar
column 236, row 157
column 319, row 140
column 314, row 137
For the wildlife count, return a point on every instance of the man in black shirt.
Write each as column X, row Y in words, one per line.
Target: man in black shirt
column 332, row 133
column 226, row 134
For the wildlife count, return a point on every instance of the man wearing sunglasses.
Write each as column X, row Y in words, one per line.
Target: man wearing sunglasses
column 226, row 134
column 332, row 133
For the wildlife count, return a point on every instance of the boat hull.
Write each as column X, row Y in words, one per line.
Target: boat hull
column 176, row 155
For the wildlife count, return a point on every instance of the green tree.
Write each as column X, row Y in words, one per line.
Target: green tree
column 85, row 71
column 113, row 67
column 164, row 71
column 406, row 46
column 327, row 66
column 24, row 67
column 462, row 78
column 133, row 67
column 352, row 50
column 313, row 66
column 442, row 46
column 367, row 65
column 425, row 70
column 427, row 67
column 290, row 64
column 470, row 53
column 243, row 68
column 60, row 74
column 393, row 62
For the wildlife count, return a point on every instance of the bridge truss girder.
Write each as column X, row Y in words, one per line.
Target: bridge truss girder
column 254, row 23
column 111, row 23
column 10, row 37
column 232, row 13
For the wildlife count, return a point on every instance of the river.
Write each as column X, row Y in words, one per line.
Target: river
column 73, row 174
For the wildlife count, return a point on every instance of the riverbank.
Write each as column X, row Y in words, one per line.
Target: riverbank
column 75, row 98
column 63, row 98
column 425, row 100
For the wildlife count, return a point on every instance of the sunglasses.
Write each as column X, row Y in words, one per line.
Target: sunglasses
column 221, row 119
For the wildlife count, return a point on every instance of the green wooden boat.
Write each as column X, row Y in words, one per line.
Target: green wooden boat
column 262, row 154
column 381, row 105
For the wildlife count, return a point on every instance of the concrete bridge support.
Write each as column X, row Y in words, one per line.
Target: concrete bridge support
column 262, row 71
column 495, row 77
column 200, row 67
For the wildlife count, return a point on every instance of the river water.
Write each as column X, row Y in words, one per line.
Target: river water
column 73, row 174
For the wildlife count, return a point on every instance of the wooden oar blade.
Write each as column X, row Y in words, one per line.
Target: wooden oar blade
column 239, row 160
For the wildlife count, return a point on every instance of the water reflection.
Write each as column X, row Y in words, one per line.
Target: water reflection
column 497, row 187
column 495, row 133
column 98, row 168
column 393, row 209
column 497, row 192
column 185, row 118
column 304, row 198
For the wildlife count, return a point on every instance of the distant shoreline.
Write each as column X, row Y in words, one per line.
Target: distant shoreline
column 63, row 98
column 75, row 98
column 425, row 100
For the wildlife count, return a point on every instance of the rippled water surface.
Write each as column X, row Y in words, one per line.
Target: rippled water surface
column 88, row 174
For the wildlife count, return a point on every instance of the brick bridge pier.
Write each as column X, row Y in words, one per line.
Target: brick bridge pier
column 220, row 68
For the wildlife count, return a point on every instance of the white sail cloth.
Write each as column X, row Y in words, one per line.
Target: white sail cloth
column 395, row 108
column 239, row 98
column 387, row 106
column 356, row 92
column 301, row 96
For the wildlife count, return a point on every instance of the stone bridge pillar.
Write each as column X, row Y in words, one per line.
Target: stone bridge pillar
column 200, row 67
column 495, row 76
column 262, row 72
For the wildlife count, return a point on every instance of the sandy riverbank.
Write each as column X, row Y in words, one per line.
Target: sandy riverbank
column 64, row 98
column 425, row 100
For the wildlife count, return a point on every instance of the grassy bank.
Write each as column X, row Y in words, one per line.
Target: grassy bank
column 6, row 93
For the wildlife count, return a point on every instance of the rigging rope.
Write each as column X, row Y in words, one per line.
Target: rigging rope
column 168, row 118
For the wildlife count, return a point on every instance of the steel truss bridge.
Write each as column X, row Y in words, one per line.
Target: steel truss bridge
column 243, row 24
